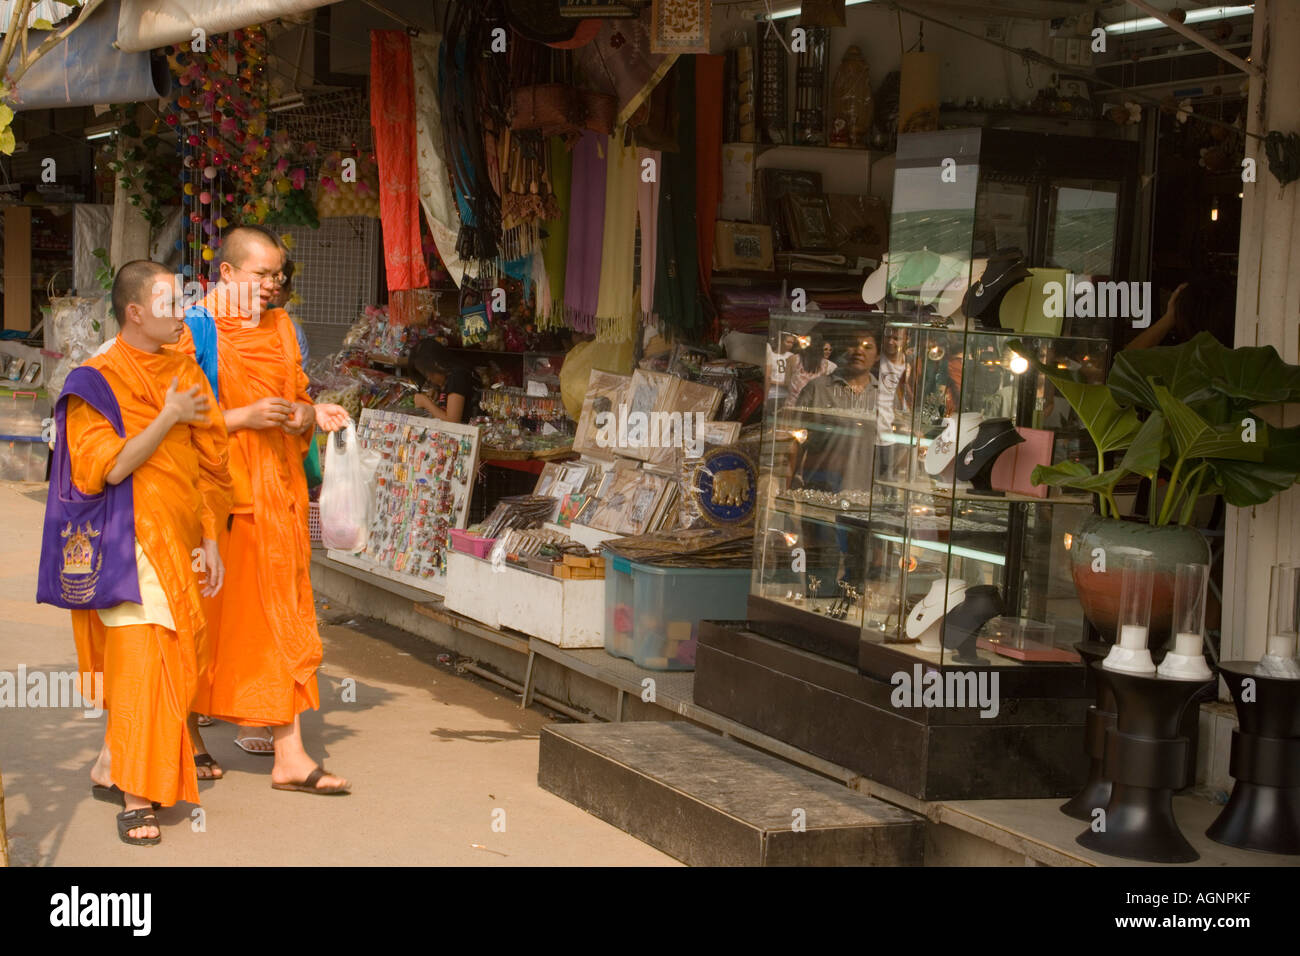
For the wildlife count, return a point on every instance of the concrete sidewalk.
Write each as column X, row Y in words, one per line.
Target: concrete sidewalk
column 435, row 759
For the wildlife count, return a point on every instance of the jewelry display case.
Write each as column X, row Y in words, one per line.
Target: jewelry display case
column 950, row 563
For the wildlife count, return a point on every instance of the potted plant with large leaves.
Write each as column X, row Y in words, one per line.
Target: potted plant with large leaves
column 1188, row 414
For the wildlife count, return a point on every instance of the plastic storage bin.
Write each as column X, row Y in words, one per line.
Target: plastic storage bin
column 23, row 459
column 669, row 603
column 618, row 606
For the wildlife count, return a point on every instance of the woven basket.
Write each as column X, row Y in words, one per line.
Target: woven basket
column 601, row 110
column 553, row 108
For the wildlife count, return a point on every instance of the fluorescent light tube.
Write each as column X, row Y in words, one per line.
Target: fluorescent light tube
column 1193, row 16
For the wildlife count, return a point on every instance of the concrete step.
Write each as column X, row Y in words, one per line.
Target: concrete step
column 711, row 801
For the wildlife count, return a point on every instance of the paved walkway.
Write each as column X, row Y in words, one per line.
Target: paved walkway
column 435, row 759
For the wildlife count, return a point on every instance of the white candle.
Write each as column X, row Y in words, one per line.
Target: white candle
column 1187, row 645
column 1133, row 637
column 1282, row 645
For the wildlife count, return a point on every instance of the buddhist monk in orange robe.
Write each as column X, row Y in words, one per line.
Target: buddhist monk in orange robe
column 263, row 647
column 174, row 453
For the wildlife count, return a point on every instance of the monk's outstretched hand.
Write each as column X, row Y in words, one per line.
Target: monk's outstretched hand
column 331, row 418
column 190, row 406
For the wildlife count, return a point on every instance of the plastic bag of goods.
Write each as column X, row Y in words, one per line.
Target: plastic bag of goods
column 345, row 493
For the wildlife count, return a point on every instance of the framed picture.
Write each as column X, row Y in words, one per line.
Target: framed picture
column 741, row 245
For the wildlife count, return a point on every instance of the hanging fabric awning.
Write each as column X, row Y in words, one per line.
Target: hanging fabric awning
column 85, row 69
column 47, row 10
column 146, row 24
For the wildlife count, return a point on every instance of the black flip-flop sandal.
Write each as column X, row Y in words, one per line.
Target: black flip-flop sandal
column 206, row 760
column 129, row 820
column 112, row 794
column 309, row 785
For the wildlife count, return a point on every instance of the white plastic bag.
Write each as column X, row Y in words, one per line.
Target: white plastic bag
column 344, row 494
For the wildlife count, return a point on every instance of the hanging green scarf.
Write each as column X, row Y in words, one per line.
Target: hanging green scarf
column 677, row 301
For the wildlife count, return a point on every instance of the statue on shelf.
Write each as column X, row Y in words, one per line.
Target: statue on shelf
column 851, row 104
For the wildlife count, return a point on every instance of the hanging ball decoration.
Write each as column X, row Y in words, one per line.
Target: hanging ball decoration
column 189, row 189
column 187, row 270
column 209, row 228
column 195, row 218
column 230, row 197
column 192, row 139
column 179, row 246
column 173, row 119
column 208, row 255
column 205, row 197
column 282, row 186
column 222, row 223
column 210, row 172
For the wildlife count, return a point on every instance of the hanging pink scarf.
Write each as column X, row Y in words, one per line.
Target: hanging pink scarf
column 392, row 114
column 586, row 231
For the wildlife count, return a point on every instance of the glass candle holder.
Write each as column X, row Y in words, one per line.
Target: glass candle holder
column 1137, row 581
column 1283, row 610
column 1186, row 661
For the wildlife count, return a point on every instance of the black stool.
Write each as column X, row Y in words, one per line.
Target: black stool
column 1147, row 760
column 1263, row 812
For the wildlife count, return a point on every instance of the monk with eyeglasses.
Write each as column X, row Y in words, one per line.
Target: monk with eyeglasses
column 258, row 666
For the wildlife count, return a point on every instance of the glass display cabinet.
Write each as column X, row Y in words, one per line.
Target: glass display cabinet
column 818, row 459
column 898, row 531
column 967, row 561
column 898, row 523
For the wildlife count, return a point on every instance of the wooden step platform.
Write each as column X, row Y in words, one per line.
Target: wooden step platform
column 711, row 801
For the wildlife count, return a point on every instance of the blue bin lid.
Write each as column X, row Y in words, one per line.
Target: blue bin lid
column 620, row 563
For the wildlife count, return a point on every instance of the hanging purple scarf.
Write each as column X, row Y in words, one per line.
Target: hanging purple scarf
column 88, row 544
column 586, row 231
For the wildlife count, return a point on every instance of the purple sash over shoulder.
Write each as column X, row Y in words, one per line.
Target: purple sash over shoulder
column 88, row 545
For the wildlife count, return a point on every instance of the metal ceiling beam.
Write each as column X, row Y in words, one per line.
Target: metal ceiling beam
column 1198, row 38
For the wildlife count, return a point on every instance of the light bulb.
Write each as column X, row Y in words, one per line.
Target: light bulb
column 1019, row 364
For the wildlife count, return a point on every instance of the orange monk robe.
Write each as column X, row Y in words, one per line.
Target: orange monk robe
column 181, row 496
column 263, row 647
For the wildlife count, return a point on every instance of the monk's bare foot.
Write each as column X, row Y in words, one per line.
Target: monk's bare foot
column 100, row 774
column 204, row 766
column 140, row 833
column 284, row 772
column 255, row 740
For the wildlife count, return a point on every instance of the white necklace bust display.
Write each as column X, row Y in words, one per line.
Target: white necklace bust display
column 958, row 431
column 926, row 620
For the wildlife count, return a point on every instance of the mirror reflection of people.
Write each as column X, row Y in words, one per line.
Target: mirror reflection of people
column 778, row 367
column 893, row 399
column 1206, row 304
column 807, row 364
column 445, row 379
column 837, row 452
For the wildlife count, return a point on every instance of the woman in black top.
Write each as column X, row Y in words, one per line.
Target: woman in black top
column 440, row 370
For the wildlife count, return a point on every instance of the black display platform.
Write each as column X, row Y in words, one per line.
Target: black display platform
column 710, row 801
column 1032, row 748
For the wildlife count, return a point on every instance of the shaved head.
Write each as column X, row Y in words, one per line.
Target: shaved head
column 134, row 285
column 238, row 244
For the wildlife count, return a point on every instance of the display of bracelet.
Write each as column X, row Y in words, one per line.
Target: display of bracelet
column 844, row 500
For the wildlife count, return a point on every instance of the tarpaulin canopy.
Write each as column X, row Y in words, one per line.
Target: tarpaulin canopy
column 146, row 24
column 85, row 69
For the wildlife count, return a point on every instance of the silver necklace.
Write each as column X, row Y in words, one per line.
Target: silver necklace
column 969, row 457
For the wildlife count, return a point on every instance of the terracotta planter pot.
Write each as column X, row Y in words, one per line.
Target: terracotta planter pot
column 1098, row 590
